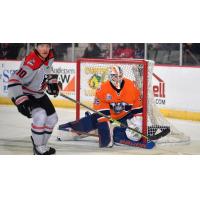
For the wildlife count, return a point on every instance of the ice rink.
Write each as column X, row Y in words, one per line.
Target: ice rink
column 15, row 138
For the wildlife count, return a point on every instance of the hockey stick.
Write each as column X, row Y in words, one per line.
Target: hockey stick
column 150, row 137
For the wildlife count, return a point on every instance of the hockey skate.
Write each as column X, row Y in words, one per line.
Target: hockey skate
column 42, row 150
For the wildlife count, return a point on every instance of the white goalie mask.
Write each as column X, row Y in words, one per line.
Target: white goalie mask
column 116, row 76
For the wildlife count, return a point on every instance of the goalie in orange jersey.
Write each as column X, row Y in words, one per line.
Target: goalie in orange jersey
column 118, row 98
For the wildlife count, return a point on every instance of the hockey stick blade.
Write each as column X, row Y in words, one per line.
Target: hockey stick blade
column 159, row 135
column 153, row 137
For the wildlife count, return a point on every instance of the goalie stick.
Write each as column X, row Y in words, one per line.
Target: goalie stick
column 150, row 137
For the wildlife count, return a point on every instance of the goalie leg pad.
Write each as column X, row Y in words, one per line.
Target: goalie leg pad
column 119, row 136
column 105, row 137
column 85, row 124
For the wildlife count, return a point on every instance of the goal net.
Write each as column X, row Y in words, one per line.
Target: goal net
column 91, row 72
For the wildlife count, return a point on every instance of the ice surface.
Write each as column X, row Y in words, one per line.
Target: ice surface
column 15, row 138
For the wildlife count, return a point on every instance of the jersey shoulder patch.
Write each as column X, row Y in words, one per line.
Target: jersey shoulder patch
column 102, row 88
column 130, row 84
column 128, row 81
column 105, row 85
column 33, row 61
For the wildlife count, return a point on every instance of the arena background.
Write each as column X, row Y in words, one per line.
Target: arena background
column 176, row 71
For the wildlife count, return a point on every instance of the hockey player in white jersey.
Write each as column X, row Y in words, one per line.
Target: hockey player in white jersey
column 27, row 89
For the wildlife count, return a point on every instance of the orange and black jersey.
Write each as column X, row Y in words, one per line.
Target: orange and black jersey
column 117, row 103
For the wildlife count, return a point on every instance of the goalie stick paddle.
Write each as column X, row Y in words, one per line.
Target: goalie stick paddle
column 156, row 136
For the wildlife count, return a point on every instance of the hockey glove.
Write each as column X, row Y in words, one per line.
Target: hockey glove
column 52, row 85
column 135, row 123
column 23, row 105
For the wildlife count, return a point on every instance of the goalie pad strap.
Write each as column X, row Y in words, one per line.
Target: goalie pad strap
column 104, row 134
column 119, row 136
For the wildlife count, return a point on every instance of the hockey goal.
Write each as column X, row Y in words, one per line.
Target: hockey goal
column 91, row 72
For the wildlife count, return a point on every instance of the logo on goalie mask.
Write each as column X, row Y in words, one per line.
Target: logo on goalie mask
column 116, row 76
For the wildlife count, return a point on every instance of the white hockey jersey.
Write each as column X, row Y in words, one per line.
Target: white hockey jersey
column 30, row 78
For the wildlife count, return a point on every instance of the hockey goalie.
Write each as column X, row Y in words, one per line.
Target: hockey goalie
column 117, row 98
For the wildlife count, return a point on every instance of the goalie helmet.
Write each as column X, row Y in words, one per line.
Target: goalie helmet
column 115, row 76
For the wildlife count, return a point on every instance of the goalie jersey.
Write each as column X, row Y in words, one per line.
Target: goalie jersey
column 30, row 78
column 117, row 103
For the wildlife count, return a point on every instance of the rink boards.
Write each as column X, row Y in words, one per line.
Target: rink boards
column 175, row 88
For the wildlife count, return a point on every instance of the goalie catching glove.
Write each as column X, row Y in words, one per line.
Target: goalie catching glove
column 52, row 84
column 135, row 123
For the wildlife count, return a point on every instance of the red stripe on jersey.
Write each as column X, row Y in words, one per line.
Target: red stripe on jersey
column 38, row 92
column 13, row 80
column 49, row 128
column 21, row 100
column 37, row 127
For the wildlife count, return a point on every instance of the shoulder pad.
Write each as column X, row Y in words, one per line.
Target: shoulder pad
column 127, row 80
column 50, row 58
column 102, row 86
column 33, row 61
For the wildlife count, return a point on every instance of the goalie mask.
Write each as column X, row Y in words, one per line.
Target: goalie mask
column 116, row 76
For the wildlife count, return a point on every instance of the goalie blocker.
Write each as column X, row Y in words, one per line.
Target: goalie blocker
column 108, row 134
